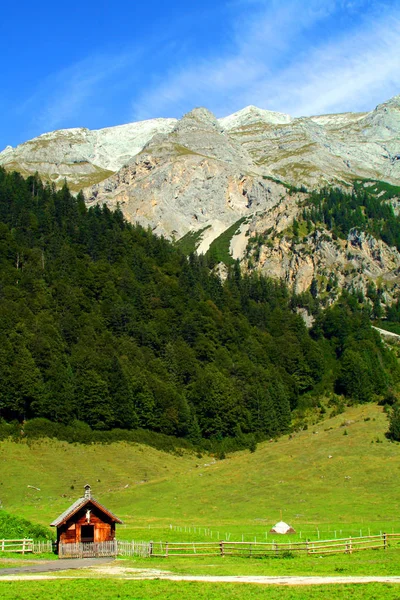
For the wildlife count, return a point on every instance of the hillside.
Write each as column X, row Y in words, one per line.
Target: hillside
column 314, row 477
column 105, row 323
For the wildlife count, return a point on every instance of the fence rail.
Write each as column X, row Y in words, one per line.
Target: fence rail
column 24, row 545
column 224, row 548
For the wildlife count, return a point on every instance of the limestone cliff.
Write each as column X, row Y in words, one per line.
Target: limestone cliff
column 192, row 177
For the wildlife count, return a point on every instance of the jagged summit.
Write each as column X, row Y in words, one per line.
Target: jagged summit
column 199, row 118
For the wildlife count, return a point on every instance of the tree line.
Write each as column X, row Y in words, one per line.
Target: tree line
column 342, row 211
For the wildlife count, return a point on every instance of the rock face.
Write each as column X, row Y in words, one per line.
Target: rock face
column 193, row 177
column 334, row 263
column 324, row 149
column 81, row 156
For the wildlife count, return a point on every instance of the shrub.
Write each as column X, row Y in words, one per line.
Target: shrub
column 394, row 424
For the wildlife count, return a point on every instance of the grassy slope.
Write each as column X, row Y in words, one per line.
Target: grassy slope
column 191, row 240
column 242, row 495
column 382, row 188
column 220, row 246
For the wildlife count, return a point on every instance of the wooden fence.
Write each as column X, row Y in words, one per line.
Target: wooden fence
column 43, row 547
column 142, row 549
column 222, row 548
column 113, row 548
column 88, row 549
column 24, row 545
column 272, row 549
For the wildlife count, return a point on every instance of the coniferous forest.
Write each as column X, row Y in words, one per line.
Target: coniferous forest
column 102, row 322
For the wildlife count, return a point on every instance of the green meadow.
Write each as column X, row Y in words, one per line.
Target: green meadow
column 338, row 478
column 143, row 590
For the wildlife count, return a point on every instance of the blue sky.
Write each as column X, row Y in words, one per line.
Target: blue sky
column 97, row 64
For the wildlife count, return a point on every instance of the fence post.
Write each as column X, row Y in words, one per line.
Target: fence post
column 307, row 548
column 23, row 546
column 350, row 548
column 221, row 547
column 385, row 541
column 151, row 549
column 166, row 549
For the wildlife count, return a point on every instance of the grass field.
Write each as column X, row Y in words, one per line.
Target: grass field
column 171, row 497
column 143, row 590
column 338, row 478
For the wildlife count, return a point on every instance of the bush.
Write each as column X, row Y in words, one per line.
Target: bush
column 394, row 424
column 9, row 430
column 12, row 527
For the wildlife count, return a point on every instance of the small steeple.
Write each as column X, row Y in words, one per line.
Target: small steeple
column 88, row 492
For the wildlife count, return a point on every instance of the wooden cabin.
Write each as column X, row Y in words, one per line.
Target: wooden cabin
column 86, row 520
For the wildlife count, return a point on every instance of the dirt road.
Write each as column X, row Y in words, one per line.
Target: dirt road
column 104, row 567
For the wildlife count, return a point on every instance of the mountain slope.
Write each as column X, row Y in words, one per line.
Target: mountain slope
column 199, row 176
column 192, row 177
column 81, row 156
column 104, row 322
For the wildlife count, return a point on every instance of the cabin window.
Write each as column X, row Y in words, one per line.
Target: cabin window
column 87, row 533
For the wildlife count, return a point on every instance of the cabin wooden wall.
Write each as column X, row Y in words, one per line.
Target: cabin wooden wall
column 70, row 532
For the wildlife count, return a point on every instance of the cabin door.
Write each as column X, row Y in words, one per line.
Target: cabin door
column 87, row 533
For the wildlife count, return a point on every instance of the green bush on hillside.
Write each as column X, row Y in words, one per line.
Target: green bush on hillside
column 394, row 424
column 12, row 527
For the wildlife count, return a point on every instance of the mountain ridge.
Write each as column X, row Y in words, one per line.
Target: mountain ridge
column 200, row 175
column 110, row 148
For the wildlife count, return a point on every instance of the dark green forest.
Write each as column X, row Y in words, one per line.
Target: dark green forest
column 341, row 211
column 103, row 323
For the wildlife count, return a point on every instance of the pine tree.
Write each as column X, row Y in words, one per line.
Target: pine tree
column 394, row 424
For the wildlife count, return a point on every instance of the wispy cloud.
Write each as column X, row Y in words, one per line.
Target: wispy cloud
column 293, row 56
column 354, row 73
column 279, row 60
column 61, row 97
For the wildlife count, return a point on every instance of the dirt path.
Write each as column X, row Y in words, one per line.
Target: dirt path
column 62, row 564
column 101, row 568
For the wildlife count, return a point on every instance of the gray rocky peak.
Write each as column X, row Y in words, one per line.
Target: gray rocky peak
column 199, row 118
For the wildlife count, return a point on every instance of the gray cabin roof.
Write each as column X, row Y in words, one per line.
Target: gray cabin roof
column 77, row 505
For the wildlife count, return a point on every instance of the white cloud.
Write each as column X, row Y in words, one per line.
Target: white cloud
column 63, row 94
column 269, row 63
column 355, row 73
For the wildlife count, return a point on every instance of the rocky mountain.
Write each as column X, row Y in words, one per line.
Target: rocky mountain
column 198, row 178
column 81, row 156
column 270, row 245
column 305, row 150
column 194, row 177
